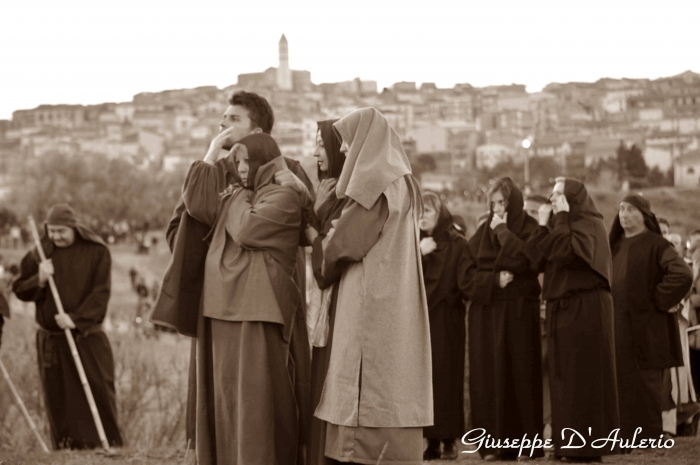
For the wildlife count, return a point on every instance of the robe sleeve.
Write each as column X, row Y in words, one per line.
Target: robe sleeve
column 511, row 256
column 556, row 246
column 27, row 287
column 174, row 224
column 676, row 281
column 317, row 264
column 264, row 223
column 93, row 309
column 355, row 233
column 200, row 193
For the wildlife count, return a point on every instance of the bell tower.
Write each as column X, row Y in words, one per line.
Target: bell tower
column 284, row 74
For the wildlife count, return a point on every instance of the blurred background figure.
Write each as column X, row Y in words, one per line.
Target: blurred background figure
column 445, row 258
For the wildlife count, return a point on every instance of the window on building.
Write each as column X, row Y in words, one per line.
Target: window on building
column 691, row 170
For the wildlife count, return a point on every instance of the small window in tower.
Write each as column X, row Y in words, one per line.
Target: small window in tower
column 691, row 170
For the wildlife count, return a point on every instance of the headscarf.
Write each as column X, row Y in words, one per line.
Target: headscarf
column 262, row 149
column 375, row 158
column 331, row 143
column 64, row 215
column 589, row 238
column 641, row 204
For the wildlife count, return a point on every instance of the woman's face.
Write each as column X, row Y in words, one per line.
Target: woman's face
column 498, row 203
column 557, row 191
column 429, row 219
column 320, row 153
column 242, row 163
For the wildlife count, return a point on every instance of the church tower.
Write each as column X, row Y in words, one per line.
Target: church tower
column 284, row 74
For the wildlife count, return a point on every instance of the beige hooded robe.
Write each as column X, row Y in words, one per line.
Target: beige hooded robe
column 381, row 338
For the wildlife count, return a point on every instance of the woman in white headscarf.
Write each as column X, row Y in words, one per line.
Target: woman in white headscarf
column 377, row 395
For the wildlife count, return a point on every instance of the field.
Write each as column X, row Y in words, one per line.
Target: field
column 151, row 373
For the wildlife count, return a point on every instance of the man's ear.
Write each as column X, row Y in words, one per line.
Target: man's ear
column 256, row 131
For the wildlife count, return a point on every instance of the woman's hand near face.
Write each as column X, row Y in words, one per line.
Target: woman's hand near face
column 543, row 214
column 497, row 220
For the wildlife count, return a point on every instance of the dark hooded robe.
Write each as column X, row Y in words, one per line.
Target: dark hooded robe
column 82, row 276
column 649, row 279
column 574, row 253
column 447, row 290
column 246, row 406
column 329, row 211
column 504, row 331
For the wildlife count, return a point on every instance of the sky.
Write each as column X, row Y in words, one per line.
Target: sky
column 87, row 52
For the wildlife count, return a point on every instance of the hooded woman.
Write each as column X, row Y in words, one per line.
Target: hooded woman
column 504, row 324
column 377, row 395
column 573, row 251
column 321, row 314
column 246, row 408
column 649, row 280
column 445, row 257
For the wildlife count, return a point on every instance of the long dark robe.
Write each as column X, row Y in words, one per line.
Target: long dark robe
column 575, row 256
column 640, row 383
column 504, row 332
column 447, row 290
column 82, row 276
column 246, row 414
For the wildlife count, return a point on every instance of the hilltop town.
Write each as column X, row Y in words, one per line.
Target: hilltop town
column 450, row 134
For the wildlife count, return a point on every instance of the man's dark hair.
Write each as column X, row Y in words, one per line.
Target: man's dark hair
column 259, row 111
column 663, row 220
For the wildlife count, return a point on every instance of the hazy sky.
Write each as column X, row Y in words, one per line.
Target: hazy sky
column 85, row 51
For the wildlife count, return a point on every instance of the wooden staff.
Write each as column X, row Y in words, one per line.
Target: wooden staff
column 22, row 407
column 71, row 343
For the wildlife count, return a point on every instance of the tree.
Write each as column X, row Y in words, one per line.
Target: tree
column 630, row 162
column 423, row 164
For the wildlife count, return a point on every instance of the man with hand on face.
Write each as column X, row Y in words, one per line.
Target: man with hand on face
column 80, row 264
column 573, row 251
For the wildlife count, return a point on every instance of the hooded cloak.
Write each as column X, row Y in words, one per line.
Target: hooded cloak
column 251, row 260
column 504, row 339
column 649, row 278
column 491, row 257
column 589, row 237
